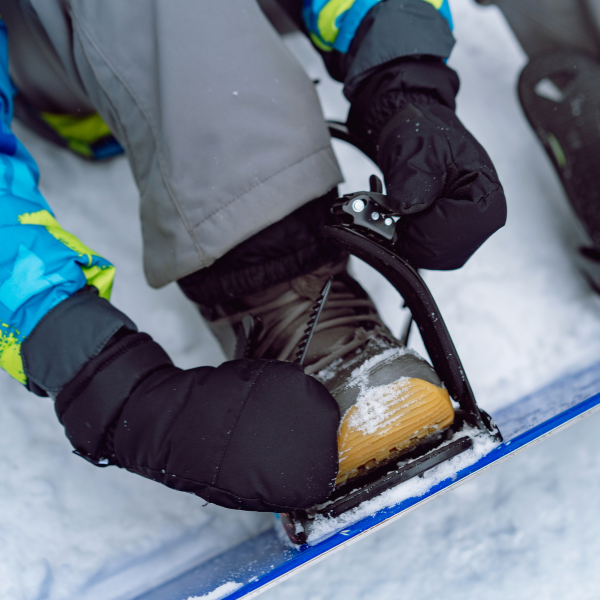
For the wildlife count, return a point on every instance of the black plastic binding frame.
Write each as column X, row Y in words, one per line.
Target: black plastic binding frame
column 425, row 312
column 363, row 238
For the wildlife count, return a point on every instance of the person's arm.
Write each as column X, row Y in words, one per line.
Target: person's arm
column 252, row 435
column 390, row 55
column 40, row 263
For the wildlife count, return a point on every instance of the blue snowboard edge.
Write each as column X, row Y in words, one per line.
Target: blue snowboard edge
column 264, row 560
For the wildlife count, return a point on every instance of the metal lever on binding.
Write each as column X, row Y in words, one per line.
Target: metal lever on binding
column 312, row 323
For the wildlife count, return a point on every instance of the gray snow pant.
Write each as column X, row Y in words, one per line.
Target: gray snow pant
column 221, row 126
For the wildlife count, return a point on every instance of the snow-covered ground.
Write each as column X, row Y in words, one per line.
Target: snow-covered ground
column 519, row 313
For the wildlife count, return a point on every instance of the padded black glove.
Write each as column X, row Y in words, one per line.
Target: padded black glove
column 252, row 435
column 437, row 174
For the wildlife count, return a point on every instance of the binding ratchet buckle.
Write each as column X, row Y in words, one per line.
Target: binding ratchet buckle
column 367, row 212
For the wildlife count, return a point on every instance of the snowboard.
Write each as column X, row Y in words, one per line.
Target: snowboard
column 267, row 559
column 560, row 96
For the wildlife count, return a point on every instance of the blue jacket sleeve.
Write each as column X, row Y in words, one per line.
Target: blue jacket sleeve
column 357, row 36
column 40, row 263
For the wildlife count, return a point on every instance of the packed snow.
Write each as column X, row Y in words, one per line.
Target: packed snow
column 222, row 590
column 520, row 316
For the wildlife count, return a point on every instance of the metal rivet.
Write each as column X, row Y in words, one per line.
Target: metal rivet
column 358, row 205
column 374, row 216
column 389, row 221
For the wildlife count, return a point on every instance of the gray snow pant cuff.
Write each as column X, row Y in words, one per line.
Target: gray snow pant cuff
column 287, row 249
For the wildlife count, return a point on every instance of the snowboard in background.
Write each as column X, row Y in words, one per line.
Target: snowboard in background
column 560, row 95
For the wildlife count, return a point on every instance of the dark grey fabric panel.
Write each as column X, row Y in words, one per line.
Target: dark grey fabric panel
column 543, row 26
column 279, row 17
column 394, row 29
column 72, row 333
column 46, row 81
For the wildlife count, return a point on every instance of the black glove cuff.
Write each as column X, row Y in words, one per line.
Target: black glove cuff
column 67, row 337
column 390, row 89
column 89, row 405
column 394, row 29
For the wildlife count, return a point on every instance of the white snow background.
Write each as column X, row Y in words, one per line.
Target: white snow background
column 520, row 316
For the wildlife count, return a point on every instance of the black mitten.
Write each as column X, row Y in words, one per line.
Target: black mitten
column 252, row 435
column 437, row 174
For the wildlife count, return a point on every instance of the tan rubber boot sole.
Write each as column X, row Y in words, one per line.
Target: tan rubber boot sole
column 397, row 417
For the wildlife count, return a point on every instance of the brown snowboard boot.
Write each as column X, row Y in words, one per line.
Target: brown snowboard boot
column 390, row 398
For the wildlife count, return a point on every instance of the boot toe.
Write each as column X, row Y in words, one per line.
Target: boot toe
column 387, row 421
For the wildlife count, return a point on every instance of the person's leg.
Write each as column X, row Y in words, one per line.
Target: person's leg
column 545, row 25
column 50, row 100
column 593, row 12
column 222, row 127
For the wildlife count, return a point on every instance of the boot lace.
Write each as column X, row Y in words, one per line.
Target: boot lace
column 285, row 321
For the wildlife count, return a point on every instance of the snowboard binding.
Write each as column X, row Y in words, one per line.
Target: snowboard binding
column 366, row 228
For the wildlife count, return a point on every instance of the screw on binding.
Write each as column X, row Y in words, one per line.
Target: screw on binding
column 358, row 205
